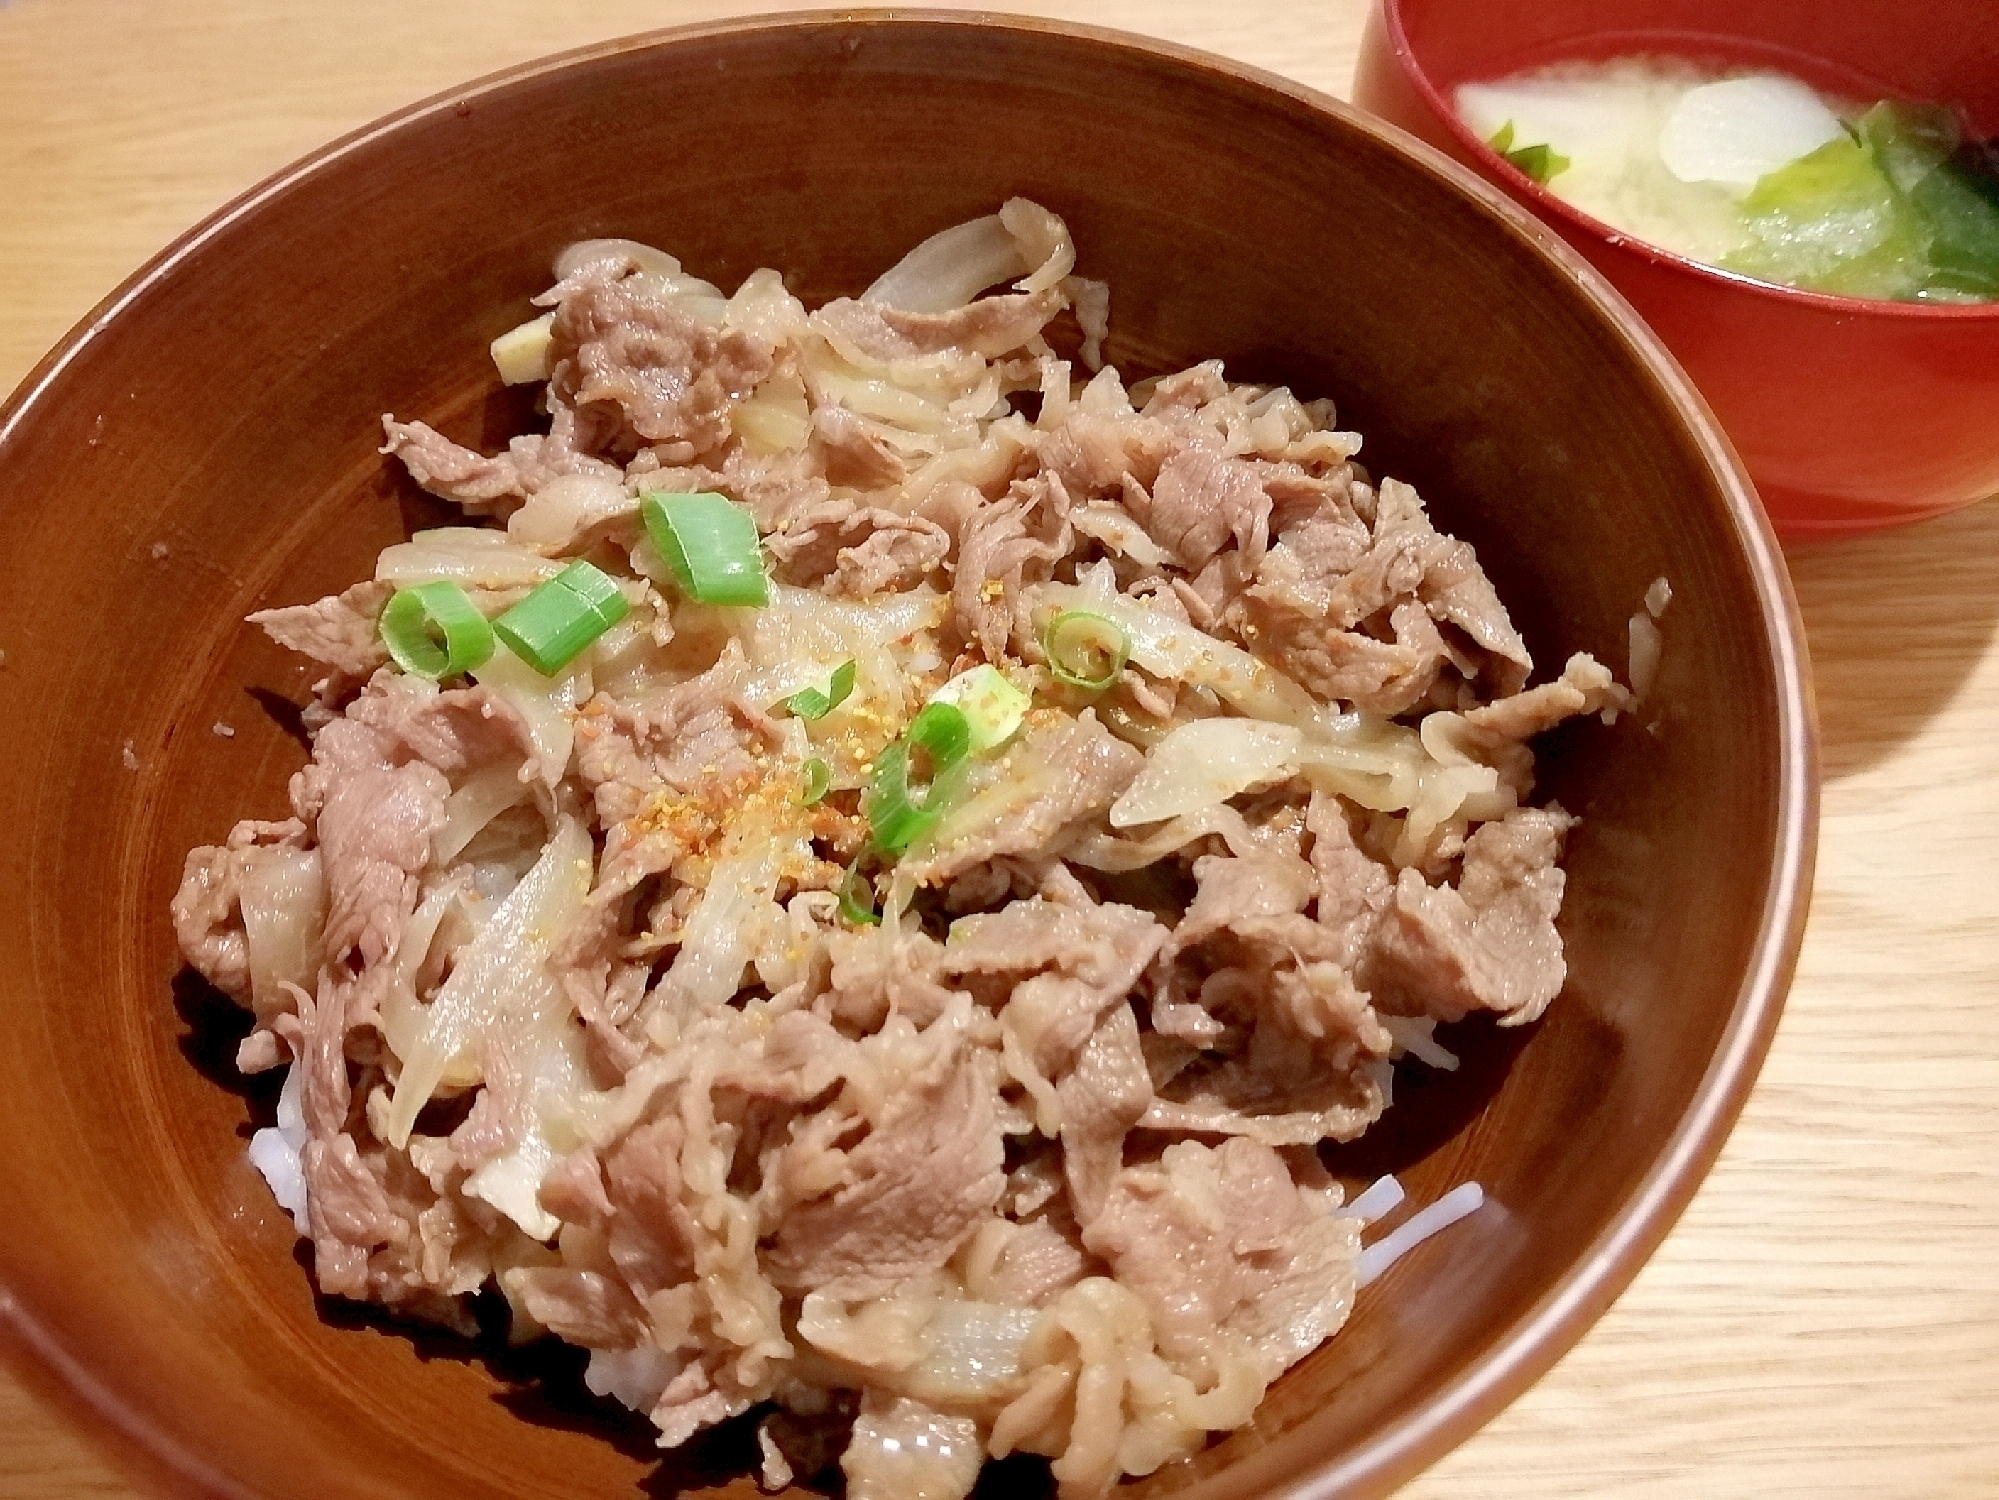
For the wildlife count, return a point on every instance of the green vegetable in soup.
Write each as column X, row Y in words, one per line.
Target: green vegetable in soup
column 1539, row 162
column 1908, row 141
column 1832, row 221
column 1962, row 212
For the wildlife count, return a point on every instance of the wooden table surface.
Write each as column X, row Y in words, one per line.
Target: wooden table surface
column 1824, row 1322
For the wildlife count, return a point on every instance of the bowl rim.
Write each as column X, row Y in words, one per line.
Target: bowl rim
column 1555, row 206
column 1451, row 1412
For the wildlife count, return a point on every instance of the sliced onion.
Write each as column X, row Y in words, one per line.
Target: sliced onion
column 557, row 514
column 1041, row 243
column 402, row 1011
column 483, row 797
column 1171, row 648
column 652, row 268
column 949, row 269
column 719, row 939
column 1202, row 764
column 954, row 265
column 469, row 556
column 557, row 1076
column 548, row 704
column 974, row 1354
column 284, row 912
column 501, row 979
column 1114, row 527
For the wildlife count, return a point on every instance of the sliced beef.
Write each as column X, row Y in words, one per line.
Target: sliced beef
column 375, row 822
column 1103, row 1097
column 207, row 908
column 580, row 1307
column 349, row 1215
column 1002, row 546
column 854, row 454
column 674, row 378
column 876, row 974
column 696, row 736
column 495, row 485
column 653, row 1231
column 1230, row 1259
column 1353, row 610
column 482, row 485
column 1353, row 887
column 1489, row 944
column 1232, row 890
column 909, row 1193
column 1093, row 451
column 457, row 731
column 338, row 631
column 775, row 487
column 1201, row 501
column 855, row 552
column 1287, row 1057
column 1040, row 1259
column 1496, row 734
column 1052, row 969
column 1063, row 773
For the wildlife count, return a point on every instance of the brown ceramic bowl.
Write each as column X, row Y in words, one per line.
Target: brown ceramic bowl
column 205, row 444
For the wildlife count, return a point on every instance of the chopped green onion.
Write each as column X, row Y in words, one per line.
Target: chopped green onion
column 711, row 545
column 818, row 780
column 416, row 618
column 1085, row 650
column 943, row 732
column 810, row 703
column 553, row 624
column 857, row 898
column 894, row 817
column 1538, row 162
column 992, row 706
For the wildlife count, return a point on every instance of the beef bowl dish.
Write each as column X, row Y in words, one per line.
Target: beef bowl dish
column 832, row 804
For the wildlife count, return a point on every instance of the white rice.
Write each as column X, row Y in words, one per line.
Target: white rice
column 1414, row 1035
column 634, row 1377
column 1381, row 1199
column 1375, row 1259
column 277, row 1153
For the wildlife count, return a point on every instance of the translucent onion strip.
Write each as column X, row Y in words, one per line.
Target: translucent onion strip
column 284, row 910
column 949, row 269
column 470, row 556
column 484, row 796
column 1204, row 763
column 1171, row 648
column 720, row 936
column 501, row 980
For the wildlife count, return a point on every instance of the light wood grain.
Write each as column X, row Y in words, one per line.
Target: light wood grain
column 1824, row 1322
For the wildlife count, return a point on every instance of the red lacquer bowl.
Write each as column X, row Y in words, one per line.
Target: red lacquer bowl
column 1851, row 414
